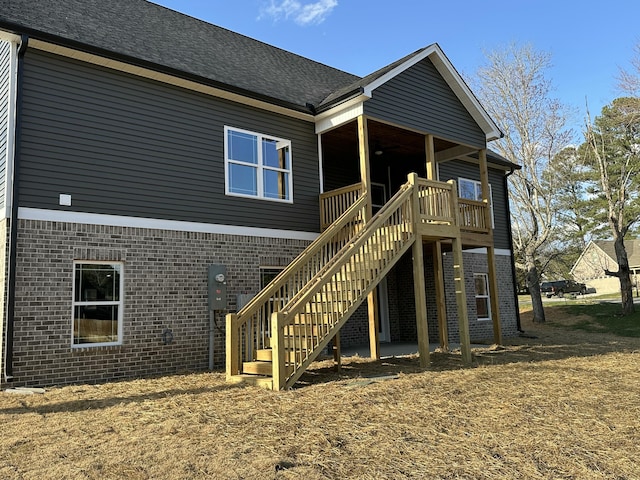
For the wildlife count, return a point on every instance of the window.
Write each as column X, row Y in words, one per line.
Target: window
column 257, row 165
column 483, row 305
column 472, row 190
column 267, row 274
column 97, row 303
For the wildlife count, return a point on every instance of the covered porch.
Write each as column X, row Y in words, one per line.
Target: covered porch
column 367, row 155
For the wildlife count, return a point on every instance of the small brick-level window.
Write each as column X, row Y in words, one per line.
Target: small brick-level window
column 97, row 303
column 257, row 165
column 483, row 305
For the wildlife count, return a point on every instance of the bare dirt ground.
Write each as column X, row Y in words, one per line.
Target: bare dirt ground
column 556, row 404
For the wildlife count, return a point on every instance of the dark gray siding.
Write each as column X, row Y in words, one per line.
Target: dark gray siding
column 455, row 169
column 5, row 77
column 419, row 98
column 124, row 145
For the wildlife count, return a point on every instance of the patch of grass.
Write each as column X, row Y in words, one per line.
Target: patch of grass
column 603, row 317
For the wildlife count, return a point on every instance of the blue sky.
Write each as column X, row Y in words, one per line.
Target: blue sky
column 589, row 40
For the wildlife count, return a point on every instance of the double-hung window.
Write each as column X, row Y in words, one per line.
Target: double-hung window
column 97, row 303
column 257, row 165
column 472, row 190
column 483, row 304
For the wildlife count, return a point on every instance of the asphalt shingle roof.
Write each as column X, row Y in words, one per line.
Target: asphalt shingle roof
column 150, row 35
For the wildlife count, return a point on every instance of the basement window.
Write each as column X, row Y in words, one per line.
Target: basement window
column 483, row 304
column 257, row 166
column 97, row 304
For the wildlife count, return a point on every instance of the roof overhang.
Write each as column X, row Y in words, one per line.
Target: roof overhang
column 156, row 72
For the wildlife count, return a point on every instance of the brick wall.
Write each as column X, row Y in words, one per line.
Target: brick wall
column 165, row 290
column 403, row 323
column 480, row 329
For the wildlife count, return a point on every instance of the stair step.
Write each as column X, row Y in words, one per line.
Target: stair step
column 304, row 329
column 266, row 355
column 257, row 368
column 300, row 343
column 262, row 368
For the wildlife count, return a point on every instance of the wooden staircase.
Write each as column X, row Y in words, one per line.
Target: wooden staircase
column 274, row 338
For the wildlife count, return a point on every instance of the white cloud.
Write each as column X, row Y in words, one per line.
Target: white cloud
column 302, row 14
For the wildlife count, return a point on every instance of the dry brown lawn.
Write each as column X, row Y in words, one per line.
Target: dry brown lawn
column 563, row 405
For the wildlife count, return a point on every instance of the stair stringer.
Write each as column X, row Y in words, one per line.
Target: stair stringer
column 317, row 350
column 361, row 265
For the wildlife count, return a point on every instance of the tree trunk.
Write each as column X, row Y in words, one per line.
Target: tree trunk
column 533, row 283
column 626, row 287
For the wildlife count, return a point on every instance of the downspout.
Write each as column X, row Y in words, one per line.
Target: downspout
column 513, row 259
column 13, row 223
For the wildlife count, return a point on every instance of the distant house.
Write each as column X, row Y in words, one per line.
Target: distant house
column 599, row 256
column 177, row 197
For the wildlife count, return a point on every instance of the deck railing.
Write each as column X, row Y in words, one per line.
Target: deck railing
column 436, row 201
column 335, row 203
column 471, row 216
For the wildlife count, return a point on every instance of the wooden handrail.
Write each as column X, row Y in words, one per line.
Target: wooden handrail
column 341, row 285
column 335, row 202
column 251, row 329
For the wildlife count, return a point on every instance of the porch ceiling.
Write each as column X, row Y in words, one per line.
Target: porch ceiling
column 384, row 138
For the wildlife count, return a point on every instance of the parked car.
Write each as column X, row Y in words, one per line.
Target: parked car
column 560, row 287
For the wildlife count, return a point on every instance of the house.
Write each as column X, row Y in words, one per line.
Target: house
column 159, row 171
column 599, row 256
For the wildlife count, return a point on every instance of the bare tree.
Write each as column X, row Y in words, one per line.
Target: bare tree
column 629, row 80
column 612, row 150
column 514, row 88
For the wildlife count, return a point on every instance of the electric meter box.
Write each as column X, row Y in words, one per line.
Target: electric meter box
column 217, row 287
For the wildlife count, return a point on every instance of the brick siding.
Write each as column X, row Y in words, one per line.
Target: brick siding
column 165, row 289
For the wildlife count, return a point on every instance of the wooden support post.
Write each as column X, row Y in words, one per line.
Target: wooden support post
column 493, row 295
column 363, row 153
column 438, row 274
column 365, row 178
column 232, row 347
column 491, row 257
column 374, row 324
column 461, row 301
column 337, row 356
column 419, row 285
column 484, row 185
column 431, row 157
column 278, row 358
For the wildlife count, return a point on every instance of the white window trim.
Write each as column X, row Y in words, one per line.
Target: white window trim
column 485, row 276
column 119, row 303
column 479, row 186
column 260, row 167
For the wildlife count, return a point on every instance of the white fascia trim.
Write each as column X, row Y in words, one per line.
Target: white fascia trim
column 341, row 114
column 9, row 37
column 11, row 126
column 505, row 252
column 25, row 213
column 165, row 78
column 453, row 79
